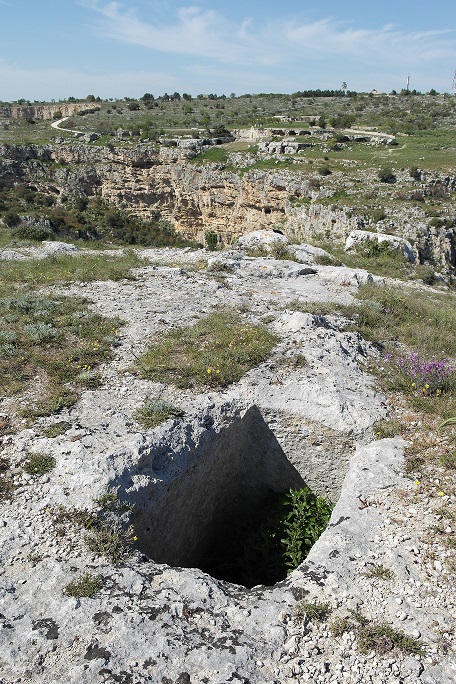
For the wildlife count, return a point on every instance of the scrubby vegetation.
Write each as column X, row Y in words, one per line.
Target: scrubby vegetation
column 50, row 346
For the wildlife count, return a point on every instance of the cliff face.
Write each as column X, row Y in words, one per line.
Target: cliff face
column 197, row 198
column 42, row 112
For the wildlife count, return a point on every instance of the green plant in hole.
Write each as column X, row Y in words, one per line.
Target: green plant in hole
column 317, row 612
column 278, row 538
column 86, row 585
column 155, row 411
column 39, row 464
column 213, row 353
column 305, row 517
column 378, row 571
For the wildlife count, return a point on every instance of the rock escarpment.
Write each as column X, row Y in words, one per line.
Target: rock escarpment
column 160, row 182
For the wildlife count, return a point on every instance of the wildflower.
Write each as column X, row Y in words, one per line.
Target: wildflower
column 440, row 494
column 417, row 482
column 209, row 370
column 135, row 538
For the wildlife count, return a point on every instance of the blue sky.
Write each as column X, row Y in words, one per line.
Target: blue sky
column 54, row 49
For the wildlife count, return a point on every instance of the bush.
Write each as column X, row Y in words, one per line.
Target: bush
column 324, row 170
column 415, row 173
column 386, row 175
column 11, row 218
column 211, row 239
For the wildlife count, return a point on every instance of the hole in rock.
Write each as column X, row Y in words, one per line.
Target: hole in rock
column 218, row 505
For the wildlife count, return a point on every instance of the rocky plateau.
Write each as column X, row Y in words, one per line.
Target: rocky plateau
column 158, row 618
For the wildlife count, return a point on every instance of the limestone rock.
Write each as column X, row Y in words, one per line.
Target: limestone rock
column 358, row 237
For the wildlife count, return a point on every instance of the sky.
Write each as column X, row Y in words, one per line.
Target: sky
column 54, row 49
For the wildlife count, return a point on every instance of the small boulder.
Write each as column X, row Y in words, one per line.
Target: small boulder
column 262, row 239
column 357, row 237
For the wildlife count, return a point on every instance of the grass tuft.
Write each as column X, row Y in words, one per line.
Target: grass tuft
column 213, row 353
column 67, row 268
column 380, row 638
column 317, row 612
column 87, row 585
column 155, row 411
column 39, row 464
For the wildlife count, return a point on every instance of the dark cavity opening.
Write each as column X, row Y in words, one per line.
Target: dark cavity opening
column 215, row 510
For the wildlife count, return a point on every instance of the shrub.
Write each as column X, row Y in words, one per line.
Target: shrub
column 386, row 175
column 420, row 375
column 31, row 231
column 314, row 184
column 378, row 215
column 282, row 252
column 415, row 173
column 381, row 638
column 211, row 239
column 11, row 218
column 324, row 170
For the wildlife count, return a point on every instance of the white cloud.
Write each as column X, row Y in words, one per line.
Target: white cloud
column 207, row 34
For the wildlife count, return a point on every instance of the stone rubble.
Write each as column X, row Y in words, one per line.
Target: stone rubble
column 156, row 623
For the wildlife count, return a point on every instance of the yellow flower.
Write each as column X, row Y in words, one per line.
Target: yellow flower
column 417, row 482
column 135, row 538
column 209, row 370
column 413, row 384
column 440, row 493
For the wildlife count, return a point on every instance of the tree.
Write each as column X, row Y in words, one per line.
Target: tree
column 147, row 97
column 344, row 86
column 90, row 98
